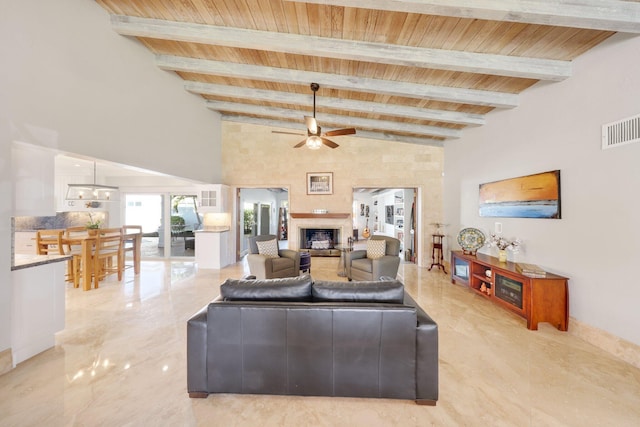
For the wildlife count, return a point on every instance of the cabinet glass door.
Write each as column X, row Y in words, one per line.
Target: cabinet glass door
column 508, row 290
column 460, row 269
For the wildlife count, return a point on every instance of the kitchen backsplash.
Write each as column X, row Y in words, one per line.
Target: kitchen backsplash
column 60, row 221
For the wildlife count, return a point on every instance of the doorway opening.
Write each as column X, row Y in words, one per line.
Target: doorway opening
column 262, row 211
column 168, row 222
column 389, row 212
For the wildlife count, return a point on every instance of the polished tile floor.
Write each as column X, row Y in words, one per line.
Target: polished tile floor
column 121, row 362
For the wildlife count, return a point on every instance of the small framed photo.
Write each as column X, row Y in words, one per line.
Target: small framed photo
column 319, row 183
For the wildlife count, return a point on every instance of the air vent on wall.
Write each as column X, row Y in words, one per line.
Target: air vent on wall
column 622, row 132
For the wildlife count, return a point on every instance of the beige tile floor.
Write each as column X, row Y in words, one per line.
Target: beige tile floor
column 121, row 362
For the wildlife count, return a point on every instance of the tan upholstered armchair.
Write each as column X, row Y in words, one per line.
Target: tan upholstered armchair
column 287, row 264
column 361, row 267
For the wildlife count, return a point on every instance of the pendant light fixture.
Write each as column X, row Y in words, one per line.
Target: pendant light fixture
column 92, row 192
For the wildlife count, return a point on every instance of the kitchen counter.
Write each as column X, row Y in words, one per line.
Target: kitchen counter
column 38, row 303
column 211, row 247
column 26, row 261
column 212, row 230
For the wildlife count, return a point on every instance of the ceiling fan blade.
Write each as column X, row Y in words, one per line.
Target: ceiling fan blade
column 312, row 125
column 329, row 143
column 301, row 143
column 287, row 133
column 338, row 132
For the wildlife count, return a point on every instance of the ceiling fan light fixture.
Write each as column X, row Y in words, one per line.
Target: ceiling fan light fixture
column 314, row 142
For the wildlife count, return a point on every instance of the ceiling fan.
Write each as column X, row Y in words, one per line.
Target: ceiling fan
column 315, row 138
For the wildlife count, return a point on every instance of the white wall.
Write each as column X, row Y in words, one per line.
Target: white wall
column 558, row 126
column 366, row 199
column 73, row 84
column 68, row 82
column 6, row 189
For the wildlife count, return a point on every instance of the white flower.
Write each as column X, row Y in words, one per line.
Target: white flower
column 503, row 244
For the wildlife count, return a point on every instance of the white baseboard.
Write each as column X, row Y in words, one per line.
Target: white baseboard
column 616, row 346
column 6, row 361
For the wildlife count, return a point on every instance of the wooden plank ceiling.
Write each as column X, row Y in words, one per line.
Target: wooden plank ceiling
column 405, row 70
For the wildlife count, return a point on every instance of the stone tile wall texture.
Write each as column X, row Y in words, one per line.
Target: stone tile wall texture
column 253, row 156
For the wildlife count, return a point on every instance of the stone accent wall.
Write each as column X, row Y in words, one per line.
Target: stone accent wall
column 253, row 156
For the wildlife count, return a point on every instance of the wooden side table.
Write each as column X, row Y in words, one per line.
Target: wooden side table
column 436, row 252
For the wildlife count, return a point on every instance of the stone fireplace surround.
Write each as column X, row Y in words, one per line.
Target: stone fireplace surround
column 339, row 222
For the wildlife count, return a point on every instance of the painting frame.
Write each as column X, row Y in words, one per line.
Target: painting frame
column 319, row 183
column 388, row 218
column 528, row 196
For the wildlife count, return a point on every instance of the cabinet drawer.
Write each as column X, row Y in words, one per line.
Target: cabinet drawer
column 24, row 242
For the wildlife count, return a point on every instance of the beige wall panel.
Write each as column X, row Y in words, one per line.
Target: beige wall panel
column 254, row 157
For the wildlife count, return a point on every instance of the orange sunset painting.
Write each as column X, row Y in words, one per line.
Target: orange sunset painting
column 531, row 196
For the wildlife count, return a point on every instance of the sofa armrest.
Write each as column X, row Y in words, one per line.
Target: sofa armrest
column 289, row 253
column 358, row 254
column 259, row 265
column 349, row 256
column 294, row 255
column 385, row 266
column 197, row 352
column 426, row 355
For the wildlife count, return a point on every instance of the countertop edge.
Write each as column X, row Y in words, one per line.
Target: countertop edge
column 38, row 260
column 221, row 230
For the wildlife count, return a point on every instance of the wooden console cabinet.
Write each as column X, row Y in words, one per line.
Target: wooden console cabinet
column 537, row 299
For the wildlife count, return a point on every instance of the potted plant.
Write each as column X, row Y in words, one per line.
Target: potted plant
column 93, row 225
column 249, row 221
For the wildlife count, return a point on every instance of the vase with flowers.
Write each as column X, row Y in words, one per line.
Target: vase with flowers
column 93, row 225
column 503, row 245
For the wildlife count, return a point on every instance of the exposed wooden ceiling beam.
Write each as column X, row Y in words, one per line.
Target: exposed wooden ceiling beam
column 468, row 62
column 337, row 81
column 336, row 120
column 360, row 134
column 403, row 111
column 608, row 15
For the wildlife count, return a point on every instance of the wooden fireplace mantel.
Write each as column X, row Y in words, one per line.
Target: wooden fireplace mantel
column 303, row 215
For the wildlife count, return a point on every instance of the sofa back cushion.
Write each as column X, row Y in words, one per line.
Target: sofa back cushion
column 285, row 289
column 327, row 349
column 387, row 291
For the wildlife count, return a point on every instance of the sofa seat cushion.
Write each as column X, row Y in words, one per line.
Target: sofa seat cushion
column 285, row 289
column 363, row 264
column 281, row 263
column 389, row 291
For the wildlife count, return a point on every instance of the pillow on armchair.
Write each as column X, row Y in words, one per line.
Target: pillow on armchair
column 268, row 248
column 376, row 248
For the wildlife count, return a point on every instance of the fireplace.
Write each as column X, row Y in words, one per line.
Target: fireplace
column 320, row 241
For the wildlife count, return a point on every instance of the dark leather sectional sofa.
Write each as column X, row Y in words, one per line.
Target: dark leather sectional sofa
column 294, row 336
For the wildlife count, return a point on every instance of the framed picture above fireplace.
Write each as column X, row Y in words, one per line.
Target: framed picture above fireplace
column 319, row 183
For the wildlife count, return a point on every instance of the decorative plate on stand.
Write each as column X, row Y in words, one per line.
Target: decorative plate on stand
column 470, row 240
